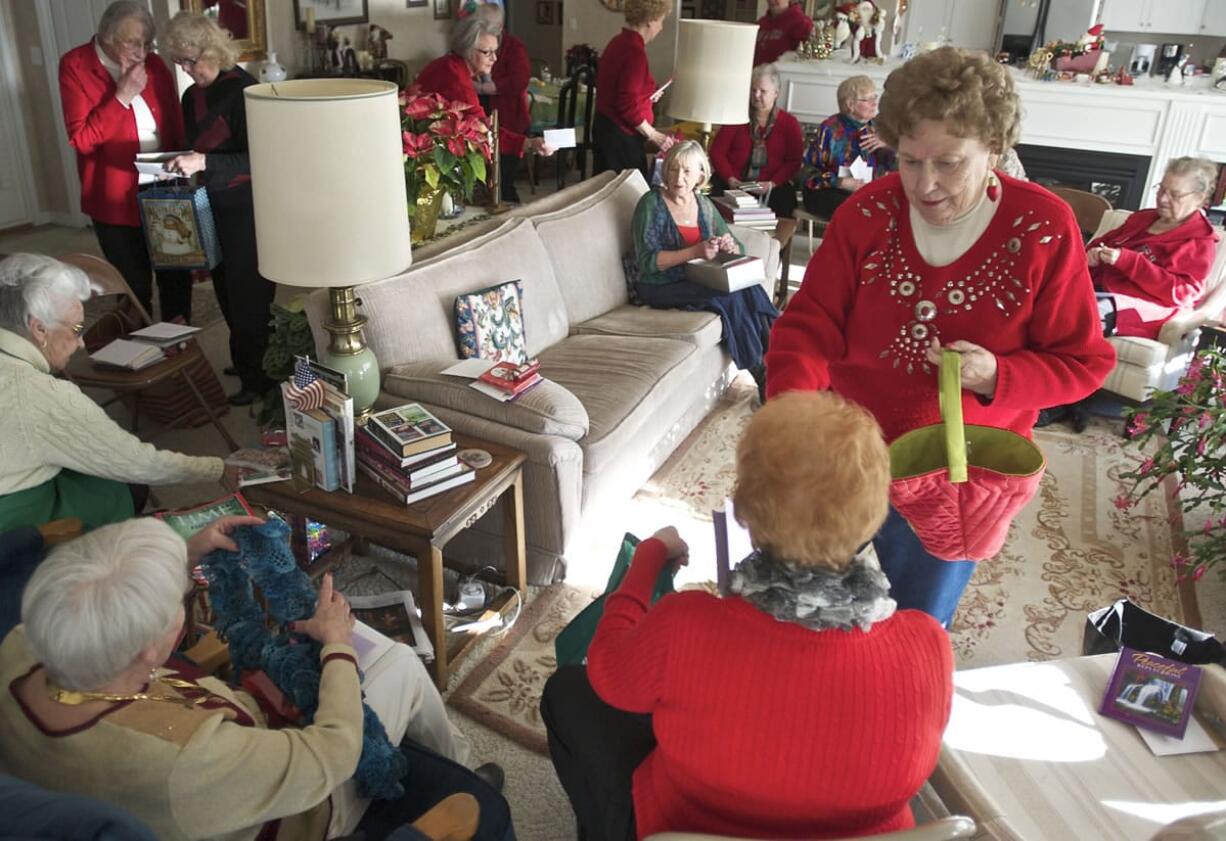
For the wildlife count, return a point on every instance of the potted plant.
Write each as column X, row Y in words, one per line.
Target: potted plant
column 1183, row 433
column 446, row 149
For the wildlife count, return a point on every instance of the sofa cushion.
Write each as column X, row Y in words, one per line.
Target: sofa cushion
column 622, row 382
column 699, row 328
column 547, row 409
column 572, row 196
column 489, row 323
column 1136, row 350
column 585, row 244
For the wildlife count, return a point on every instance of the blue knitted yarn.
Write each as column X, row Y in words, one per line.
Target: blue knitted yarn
column 290, row 660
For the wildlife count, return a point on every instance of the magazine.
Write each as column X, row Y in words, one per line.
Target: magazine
column 394, row 615
column 258, row 467
column 1152, row 692
column 188, row 521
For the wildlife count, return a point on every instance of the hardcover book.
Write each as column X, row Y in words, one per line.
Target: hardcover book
column 313, row 446
column 1152, row 692
column 409, row 429
column 369, row 445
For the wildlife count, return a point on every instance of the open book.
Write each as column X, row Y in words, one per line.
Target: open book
column 394, row 615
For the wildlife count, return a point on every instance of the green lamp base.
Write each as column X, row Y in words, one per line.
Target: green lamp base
column 363, row 371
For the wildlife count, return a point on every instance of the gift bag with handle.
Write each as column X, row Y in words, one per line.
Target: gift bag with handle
column 180, row 232
column 959, row 486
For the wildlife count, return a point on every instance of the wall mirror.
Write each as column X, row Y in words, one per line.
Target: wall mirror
column 243, row 18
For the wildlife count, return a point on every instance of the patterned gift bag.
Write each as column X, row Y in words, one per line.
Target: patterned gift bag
column 179, row 227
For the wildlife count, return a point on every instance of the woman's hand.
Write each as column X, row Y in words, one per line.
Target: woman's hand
column 230, row 476
column 132, row 80
column 734, row 183
column 216, row 535
column 727, row 244
column 333, row 620
column 870, row 142
column 1102, row 255
column 485, row 86
column 1093, row 258
column 850, row 184
column 705, row 250
column 539, row 146
column 188, row 164
column 978, row 365
column 678, row 549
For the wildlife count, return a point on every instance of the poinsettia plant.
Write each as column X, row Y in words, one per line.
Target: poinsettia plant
column 444, row 143
column 1184, row 434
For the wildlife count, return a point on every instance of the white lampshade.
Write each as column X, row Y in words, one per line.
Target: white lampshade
column 327, row 177
column 713, row 70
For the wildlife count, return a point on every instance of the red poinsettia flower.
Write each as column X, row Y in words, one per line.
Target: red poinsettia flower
column 457, row 146
column 448, row 126
column 416, row 145
column 420, row 107
column 474, row 129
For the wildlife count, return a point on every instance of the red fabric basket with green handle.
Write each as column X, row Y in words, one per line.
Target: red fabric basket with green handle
column 959, row 486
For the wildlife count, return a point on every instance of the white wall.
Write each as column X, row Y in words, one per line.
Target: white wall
column 588, row 22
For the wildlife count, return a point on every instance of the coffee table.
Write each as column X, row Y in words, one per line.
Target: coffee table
column 422, row 529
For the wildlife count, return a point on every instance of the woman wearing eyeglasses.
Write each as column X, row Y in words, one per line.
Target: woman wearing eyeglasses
column 119, row 99
column 61, row 454
column 844, row 141
column 215, row 119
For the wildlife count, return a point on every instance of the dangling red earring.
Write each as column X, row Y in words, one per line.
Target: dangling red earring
column 993, row 187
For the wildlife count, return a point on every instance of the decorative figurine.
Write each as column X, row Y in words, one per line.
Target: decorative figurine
column 376, row 41
column 842, row 28
column 1123, row 77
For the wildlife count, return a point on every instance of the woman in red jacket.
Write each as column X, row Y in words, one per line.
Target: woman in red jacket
column 506, row 88
column 803, row 705
column 625, row 93
column 783, row 28
column 474, row 51
column 119, row 99
column 767, row 150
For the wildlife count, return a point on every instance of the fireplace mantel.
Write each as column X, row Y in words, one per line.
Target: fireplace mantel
column 1149, row 119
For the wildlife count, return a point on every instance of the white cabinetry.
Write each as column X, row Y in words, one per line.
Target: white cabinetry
column 1214, row 21
column 965, row 23
column 1180, row 17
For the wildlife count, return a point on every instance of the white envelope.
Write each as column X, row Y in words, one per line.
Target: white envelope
column 560, row 138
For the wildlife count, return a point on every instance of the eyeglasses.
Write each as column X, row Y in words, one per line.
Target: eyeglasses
column 136, row 44
column 77, row 329
column 488, row 53
column 1162, row 189
column 872, row 98
column 186, row 63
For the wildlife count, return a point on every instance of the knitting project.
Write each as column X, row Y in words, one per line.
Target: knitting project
column 290, row 659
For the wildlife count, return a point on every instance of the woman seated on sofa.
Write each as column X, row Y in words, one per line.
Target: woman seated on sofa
column 674, row 224
column 842, row 140
column 1155, row 265
column 804, row 705
column 61, row 455
column 767, row 150
column 95, row 704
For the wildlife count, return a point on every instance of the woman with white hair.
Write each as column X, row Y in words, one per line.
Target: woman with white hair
column 473, row 51
column 845, row 141
column 766, row 151
column 97, row 705
column 506, row 88
column 61, row 455
column 119, row 99
column 674, row 224
column 215, row 119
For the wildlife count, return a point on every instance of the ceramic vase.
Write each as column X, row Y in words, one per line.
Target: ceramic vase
column 272, row 70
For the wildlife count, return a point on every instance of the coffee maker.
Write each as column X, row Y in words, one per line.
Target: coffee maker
column 1168, row 58
column 1142, row 59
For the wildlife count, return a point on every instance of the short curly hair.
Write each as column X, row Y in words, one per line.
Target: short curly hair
column 189, row 33
column 639, row 12
column 812, row 479
column 969, row 92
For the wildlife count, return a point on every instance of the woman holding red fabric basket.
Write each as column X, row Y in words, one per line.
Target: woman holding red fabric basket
column 947, row 253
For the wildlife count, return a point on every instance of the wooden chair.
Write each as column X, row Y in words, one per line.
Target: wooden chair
column 189, row 366
column 1087, row 207
column 568, row 102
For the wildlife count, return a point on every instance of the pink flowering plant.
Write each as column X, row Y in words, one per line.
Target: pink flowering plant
column 444, row 143
column 1185, row 430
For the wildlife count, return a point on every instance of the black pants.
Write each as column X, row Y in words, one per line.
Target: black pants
column 1106, row 312
column 595, row 749
column 124, row 247
column 509, row 169
column 824, row 202
column 243, row 294
column 613, row 149
column 782, row 198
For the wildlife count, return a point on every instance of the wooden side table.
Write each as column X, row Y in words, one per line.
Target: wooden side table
column 785, row 231
column 422, row 529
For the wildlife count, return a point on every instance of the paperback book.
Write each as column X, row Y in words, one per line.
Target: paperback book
column 409, row 429
column 122, row 353
column 1152, row 692
column 258, row 467
column 312, row 446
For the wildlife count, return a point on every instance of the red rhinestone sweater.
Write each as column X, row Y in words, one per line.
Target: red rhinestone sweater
column 870, row 305
column 766, row 729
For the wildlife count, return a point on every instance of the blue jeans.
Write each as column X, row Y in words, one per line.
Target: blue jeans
column 917, row 579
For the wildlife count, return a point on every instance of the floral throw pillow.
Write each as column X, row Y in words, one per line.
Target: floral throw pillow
column 490, row 323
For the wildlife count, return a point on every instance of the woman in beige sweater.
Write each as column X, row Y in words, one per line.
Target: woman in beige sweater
column 61, row 455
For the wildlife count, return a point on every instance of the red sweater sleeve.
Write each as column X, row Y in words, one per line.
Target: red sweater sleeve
column 1180, row 285
column 89, row 123
column 626, row 661
column 446, row 77
column 787, row 151
column 721, row 147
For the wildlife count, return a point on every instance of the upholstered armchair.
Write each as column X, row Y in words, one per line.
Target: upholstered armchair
column 1143, row 365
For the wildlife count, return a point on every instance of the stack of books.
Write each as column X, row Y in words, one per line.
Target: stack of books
column 319, row 426
column 410, row 454
column 740, row 208
column 513, row 378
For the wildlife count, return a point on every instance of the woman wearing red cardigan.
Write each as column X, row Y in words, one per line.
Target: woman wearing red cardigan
column 474, row 51
column 506, row 88
column 804, row 705
column 783, row 28
column 119, row 99
column 767, row 150
column 625, row 87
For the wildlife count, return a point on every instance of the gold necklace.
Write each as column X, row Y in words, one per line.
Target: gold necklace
column 74, row 698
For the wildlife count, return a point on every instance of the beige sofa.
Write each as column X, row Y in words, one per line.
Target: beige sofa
column 625, row 384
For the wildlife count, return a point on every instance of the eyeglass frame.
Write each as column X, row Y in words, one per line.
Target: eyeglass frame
column 490, row 53
column 185, row 62
column 146, row 46
column 1159, row 189
column 77, row 329
column 873, row 98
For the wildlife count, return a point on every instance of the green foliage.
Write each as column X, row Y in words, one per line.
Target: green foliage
column 291, row 336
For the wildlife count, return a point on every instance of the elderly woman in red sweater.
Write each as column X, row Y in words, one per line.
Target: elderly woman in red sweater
column 945, row 253
column 119, row 99
column 783, row 28
column 506, row 88
column 474, row 50
column 746, row 715
column 625, row 92
column 767, row 150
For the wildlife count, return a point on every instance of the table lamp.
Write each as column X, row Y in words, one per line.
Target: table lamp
column 713, row 71
column 327, row 173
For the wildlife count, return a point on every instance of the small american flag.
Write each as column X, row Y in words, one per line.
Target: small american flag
column 305, row 390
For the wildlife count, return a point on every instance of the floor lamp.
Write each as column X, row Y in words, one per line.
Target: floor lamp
column 327, row 173
column 712, row 77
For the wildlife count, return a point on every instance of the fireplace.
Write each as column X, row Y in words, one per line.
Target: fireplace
column 1118, row 178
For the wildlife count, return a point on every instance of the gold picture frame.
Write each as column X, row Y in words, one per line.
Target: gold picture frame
column 244, row 20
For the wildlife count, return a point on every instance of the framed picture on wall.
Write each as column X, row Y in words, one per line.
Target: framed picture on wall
column 331, row 12
column 416, row 4
column 544, row 12
column 559, row 19
column 442, row 9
